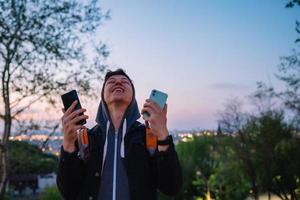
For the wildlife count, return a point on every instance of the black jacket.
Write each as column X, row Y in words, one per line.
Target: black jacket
column 78, row 179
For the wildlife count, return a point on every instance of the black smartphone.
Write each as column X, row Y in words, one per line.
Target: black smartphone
column 68, row 99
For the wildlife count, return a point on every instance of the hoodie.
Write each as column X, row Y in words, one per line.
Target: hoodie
column 116, row 165
column 114, row 180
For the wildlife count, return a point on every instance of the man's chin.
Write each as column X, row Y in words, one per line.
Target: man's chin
column 118, row 100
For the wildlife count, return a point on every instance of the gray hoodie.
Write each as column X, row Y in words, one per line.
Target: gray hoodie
column 114, row 180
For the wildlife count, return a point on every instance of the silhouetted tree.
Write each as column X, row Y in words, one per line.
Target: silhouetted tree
column 43, row 52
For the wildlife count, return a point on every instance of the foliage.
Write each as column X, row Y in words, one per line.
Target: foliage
column 197, row 163
column 50, row 193
column 267, row 146
column 25, row 158
column 206, row 167
column 229, row 180
column 43, row 53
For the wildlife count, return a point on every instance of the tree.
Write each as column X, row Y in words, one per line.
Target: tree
column 210, row 163
column 228, row 180
column 43, row 52
column 289, row 73
column 264, row 145
column 292, row 3
column 25, row 158
column 234, row 122
column 197, row 158
column 273, row 152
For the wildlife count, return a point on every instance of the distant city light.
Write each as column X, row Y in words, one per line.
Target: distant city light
column 54, row 141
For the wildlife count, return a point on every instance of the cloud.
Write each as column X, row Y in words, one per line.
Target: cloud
column 229, row 86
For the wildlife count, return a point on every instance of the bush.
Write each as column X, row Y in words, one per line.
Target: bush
column 50, row 193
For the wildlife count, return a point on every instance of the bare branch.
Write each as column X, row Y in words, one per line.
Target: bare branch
column 51, row 134
column 28, row 105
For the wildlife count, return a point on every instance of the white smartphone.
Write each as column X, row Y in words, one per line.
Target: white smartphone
column 159, row 97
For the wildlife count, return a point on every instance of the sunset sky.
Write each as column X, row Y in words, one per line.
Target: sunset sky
column 199, row 52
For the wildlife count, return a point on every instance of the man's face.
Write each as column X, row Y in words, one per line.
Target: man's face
column 117, row 89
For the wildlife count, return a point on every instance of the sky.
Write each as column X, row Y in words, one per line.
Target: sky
column 201, row 53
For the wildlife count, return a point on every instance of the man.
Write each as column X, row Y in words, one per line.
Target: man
column 117, row 165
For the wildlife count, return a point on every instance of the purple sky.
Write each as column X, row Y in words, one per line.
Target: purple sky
column 200, row 52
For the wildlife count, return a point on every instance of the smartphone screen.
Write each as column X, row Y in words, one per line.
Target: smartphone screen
column 68, row 99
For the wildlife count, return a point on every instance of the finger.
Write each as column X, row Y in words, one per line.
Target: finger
column 71, row 108
column 79, row 118
column 153, row 106
column 149, row 110
column 79, row 127
column 74, row 114
column 157, row 107
column 147, row 123
column 75, row 128
column 154, row 110
column 165, row 109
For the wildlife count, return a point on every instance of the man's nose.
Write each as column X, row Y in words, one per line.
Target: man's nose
column 118, row 82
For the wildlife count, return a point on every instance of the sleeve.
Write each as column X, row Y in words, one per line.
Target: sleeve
column 70, row 174
column 168, row 171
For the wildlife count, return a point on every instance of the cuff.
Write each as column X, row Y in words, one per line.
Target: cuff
column 163, row 155
column 65, row 156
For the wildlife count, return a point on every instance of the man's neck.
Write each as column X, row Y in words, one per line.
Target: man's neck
column 116, row 113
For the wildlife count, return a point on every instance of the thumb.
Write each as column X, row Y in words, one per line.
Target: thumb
column 165, row 109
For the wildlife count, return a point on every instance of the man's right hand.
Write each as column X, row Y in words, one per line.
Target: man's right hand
column 69, row 120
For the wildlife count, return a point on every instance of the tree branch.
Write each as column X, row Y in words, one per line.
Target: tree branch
column 53, row 131
column 28, row 105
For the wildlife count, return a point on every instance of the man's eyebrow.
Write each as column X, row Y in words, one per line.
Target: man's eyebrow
column 125, row 79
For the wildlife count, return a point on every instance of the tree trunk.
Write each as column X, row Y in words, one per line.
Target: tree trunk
column 293, row 195
column 3, row 173
column 4, row 158
column 7, row 129
column 254, row 190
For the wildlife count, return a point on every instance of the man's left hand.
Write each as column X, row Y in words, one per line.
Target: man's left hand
column 157, row 119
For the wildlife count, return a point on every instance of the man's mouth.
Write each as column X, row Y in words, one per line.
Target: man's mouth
column 118, row 89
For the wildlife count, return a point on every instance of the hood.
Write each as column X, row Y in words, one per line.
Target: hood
column 131, row 115
column 104, row 121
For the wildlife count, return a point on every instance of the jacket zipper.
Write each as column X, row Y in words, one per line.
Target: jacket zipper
column 115, row 166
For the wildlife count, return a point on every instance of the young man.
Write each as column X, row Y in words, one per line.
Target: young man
column 117, row 165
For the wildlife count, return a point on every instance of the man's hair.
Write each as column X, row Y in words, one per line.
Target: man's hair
column 116, row 72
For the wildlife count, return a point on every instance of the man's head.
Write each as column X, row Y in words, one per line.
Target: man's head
column 117, row 88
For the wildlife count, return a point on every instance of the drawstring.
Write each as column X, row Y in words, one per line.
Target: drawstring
column 105, row 144
column 122, row 149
